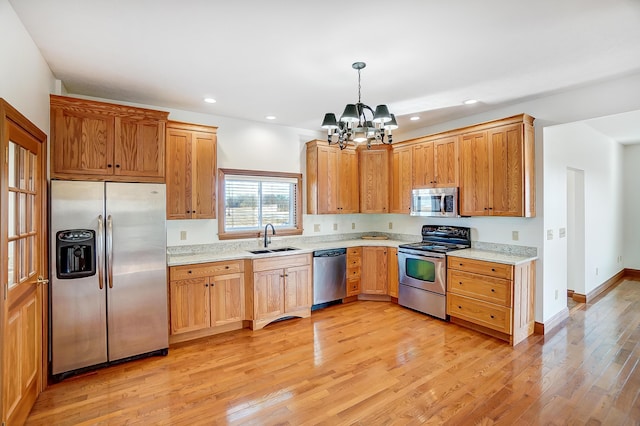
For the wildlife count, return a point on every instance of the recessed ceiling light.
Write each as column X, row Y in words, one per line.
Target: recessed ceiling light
column 414, row 118
column 210, row 100
column 270, row 117
column 470, row 101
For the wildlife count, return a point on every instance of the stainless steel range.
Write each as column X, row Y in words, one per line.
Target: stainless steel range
column 423, row 268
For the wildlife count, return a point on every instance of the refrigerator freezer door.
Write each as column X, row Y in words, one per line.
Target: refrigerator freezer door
column 78, row 306
column 137, row 295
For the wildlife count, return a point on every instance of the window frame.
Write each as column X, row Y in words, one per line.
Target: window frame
column 228, row 235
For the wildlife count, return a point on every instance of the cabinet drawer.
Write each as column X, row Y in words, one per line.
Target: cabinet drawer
column 493, row 269
column 353, row 272
column 354, row 252
column 205, row 269
column 482, row 313
column 281, row 262
column 354, row 262
column 353, row 286
column 489, row 289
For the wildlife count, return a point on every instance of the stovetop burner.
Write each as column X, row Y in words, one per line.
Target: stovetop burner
column 442, row 239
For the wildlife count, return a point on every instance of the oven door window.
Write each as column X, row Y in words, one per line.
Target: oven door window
column 420, row 269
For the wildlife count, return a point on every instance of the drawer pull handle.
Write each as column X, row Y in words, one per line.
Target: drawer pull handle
column 493, row 290
column 459, row 307
column 226, row 267
column 492, row 317
column 189, row 271
column 460, row 282
column 460, row 264
column 493, row 269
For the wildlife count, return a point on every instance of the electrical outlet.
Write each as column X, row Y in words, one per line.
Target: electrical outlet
column 562, row 232
column 549, row 234
column 335, row 226
column 353, row 225
column 316, row 227
column 183, row 235
column 556, row 294
column 390, row 225
column 515, row 235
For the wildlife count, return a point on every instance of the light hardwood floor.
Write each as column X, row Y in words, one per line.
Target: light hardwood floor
column 375, row 363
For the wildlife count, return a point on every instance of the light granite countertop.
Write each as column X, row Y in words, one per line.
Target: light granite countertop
column 492, row 256
column 234, row 253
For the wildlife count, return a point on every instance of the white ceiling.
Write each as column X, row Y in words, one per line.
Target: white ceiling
column 292, row 58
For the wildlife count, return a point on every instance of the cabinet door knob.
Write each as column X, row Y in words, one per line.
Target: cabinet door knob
column 492, row 317
column 117, row 166
column 226, row 267
column 459, row 307
column 206, row 285
column 109, row 165
column 189, row 272
column 493, row 269
column 493, row 290
column 460, row 282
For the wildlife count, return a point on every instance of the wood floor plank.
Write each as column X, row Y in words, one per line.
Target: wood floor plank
column 374, row 363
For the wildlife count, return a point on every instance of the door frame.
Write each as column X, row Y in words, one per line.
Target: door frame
column 9, row 113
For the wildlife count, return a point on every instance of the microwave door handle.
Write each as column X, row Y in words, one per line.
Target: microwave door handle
column 442, row 212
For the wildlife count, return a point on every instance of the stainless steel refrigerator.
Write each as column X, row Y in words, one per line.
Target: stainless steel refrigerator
column 108, row 273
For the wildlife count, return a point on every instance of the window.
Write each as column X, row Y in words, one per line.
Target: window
column 251, row 199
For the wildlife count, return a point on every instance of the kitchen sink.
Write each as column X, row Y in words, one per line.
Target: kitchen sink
column 277, row 250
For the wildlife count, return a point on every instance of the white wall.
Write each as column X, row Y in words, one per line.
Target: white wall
column 632, row 207
column 578, row 146
column 25, row 78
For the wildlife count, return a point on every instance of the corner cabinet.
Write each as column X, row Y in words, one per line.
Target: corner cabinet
column 497, row 171
column 93, row 140
column 205, row 299
column 374, row 179
column 494, row 298
column 281, row 288
column 191, row 171
column 374, row 270
column 332, row 179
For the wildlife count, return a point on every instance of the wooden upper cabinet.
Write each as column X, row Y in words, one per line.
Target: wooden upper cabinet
column 332, row 179
column 445, row 162
column 82, row 142
column 474, row 175
column 435, row 163
column 374, row 179
column 423, row 173
column 400, row 181
column 101, row 141
column 139, row 148
column 191, row 171
column 497, row 171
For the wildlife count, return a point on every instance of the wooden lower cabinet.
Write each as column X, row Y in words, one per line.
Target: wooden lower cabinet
column 206, row 299
column 354, row 265
column 494, row 298
column 374, row 270
column 281, row 288
column 392, row 271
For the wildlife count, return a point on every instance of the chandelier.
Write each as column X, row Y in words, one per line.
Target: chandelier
column 355, row 126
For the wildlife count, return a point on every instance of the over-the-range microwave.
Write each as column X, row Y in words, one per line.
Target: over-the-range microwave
column 441, row 202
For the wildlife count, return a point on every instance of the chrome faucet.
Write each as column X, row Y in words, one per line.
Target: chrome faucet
column 266, row 239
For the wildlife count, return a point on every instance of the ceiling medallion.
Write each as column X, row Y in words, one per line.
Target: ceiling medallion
column 355, row 126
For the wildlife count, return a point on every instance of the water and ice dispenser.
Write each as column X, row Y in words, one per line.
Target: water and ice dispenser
column 75, row 253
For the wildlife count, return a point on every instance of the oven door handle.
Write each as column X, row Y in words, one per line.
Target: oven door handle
column 425, row 255
column 442, row 210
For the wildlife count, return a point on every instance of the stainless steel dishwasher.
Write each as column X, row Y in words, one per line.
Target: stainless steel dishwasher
column 329, row 275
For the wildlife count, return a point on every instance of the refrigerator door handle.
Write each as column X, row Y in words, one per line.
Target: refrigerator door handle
column 110, row 250
column 100, row 252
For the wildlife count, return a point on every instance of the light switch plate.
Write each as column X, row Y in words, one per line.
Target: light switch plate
column 515, row 235
column 183, row 235
column 549, row 234
column 562, row 232
column 316, row 227
column 335, row 226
